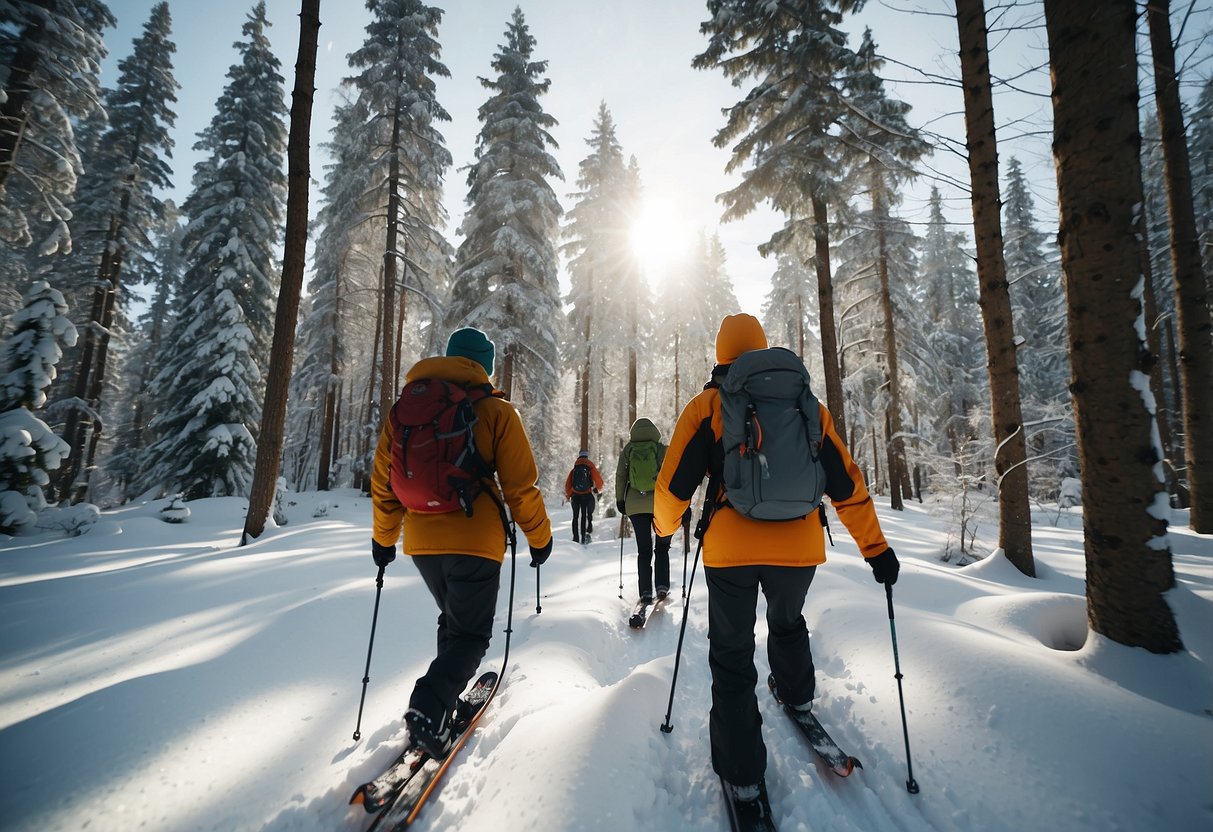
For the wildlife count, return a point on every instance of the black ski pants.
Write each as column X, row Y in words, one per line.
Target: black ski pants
column 465, row 589
column 651, row 563
column 738, row 752
column 583, row 515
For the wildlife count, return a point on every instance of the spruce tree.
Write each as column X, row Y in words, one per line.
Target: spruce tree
column 118, row 208
column 210, row 388
column 506, row 270
column 405, row 158
column 52, row 52
column 29, row 449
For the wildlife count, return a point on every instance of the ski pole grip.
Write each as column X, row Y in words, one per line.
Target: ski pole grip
column 888, row 591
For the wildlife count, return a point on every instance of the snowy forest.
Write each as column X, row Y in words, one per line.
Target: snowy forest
column 152, row 349
column 1002, row 299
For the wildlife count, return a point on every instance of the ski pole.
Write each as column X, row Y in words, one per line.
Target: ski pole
column 911, row 785
column 538, row 606
column 686, row 550
column 621, row 559
column 366, row 674
column 667, row 726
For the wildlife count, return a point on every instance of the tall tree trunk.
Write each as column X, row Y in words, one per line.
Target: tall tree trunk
column 1096, row 147
column 585, row 373
column 677, row 379
column 506, row 376
column 282, row 351
column 387, row 387
column 1010, row 457
column 1191, row 288
column 1154, row 342
column 897, row 448
column 825, row 308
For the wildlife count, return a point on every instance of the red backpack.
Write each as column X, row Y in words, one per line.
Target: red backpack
column 435, row 465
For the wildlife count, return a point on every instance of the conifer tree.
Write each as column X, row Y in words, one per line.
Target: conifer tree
column 785, row 128
column 29, row 449
column 505, row 280
column 118, row 208
column 52, row 52
column 596, row 244
column 210, row 388
column 406, row 159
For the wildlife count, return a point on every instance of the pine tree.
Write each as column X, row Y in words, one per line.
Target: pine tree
column 52, row 51
column 148, row 342
column 596, row 244
column 883, row 146
column 118, row 208
column 1096, row 149
column 406, row 159
column 506, row 269
column 1038, row 304
column 28, row 447
column 785, row 128
column 789, row 304
column 210, row 388
column 1014, row 510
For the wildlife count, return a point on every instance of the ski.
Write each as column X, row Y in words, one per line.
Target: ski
column 640, row 614
column 838, row 760
column 643, row 611
column 399, row 793
column 748, row 815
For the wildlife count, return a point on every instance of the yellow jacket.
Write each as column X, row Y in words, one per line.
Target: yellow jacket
column 732, row 538
column 502, row 442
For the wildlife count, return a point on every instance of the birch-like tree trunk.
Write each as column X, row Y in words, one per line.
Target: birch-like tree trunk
column 1191, row 287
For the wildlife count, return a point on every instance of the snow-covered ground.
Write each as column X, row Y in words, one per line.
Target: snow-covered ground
column 159, row 677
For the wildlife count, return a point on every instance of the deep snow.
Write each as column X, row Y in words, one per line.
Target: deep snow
column 157, row 676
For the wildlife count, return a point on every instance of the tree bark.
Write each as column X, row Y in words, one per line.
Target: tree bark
column 387, row 391
column 897, row 448
column 825, row 308
column 1010, row 457
column 1096, row 148
column 1191, row 288
column 273, row 413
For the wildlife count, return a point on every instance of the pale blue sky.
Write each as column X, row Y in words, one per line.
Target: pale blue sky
column 636, row 56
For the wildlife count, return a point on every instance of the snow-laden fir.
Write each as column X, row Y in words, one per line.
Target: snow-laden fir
column 158, row 676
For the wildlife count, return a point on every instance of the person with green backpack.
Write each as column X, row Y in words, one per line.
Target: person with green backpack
column 635, row 481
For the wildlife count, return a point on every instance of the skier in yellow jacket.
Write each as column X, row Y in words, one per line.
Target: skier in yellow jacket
column 460, row 556
column 741, row 555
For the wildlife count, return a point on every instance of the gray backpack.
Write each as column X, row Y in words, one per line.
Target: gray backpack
column 771, row 436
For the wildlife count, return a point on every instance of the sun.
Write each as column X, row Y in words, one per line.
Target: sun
column 659, row 236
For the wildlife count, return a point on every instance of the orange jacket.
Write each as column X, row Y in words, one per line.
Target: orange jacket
column 732, row 538
column 594, row 475
column 502, row 442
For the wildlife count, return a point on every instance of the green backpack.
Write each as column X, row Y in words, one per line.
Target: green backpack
column 642, row 466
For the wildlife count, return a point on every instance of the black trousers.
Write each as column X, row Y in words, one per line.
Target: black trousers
column 465, row 589
column 650, row 563
column 583, row 515
column 738, row 752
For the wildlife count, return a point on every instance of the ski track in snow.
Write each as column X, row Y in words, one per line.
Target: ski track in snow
column 160, row 677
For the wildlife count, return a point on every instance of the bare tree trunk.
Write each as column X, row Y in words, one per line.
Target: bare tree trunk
column 506, row 376
column 1161, row 411
column 1191, row 288
column 1010, row 457
column 286, row 316
column 1096, row 147
column 825, row 308
column 387, row 387
column 585, row 378
column 677, row 379
column 897, row 448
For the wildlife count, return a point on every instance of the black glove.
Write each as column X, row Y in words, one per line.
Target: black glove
column 686, row 517
column 619, row 506
column 383, row 555
column 885, row 567
column 540, row 554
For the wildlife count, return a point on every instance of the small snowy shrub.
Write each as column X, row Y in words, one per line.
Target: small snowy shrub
column 176, row 511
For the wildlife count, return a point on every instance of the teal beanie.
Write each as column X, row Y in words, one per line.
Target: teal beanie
column 474, row 344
